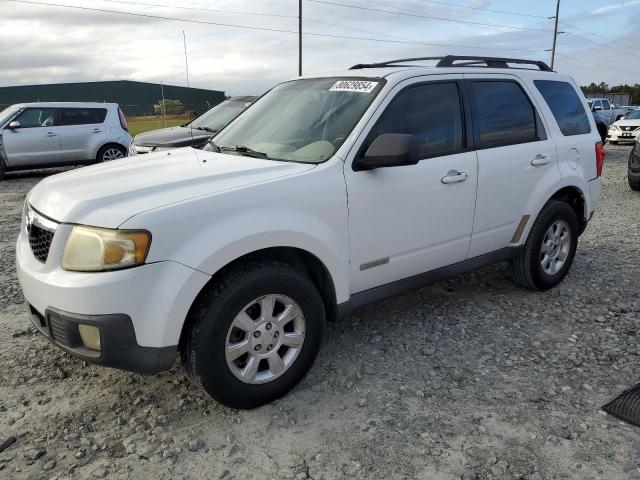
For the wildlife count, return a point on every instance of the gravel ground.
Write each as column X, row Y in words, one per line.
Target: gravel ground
column 472, row 378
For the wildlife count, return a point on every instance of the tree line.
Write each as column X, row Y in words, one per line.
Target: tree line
column 602, row 87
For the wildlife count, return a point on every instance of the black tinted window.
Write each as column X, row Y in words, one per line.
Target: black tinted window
column 504, row 114
column 37, row 117
column 82, row 116
column 431, row 113
column 565, row 105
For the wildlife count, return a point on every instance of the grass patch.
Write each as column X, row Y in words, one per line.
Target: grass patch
column 144, row 124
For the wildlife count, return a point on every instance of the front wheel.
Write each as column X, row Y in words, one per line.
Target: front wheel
column 111, row 152
column 255, row 334
column 550, row 248
column 2, row 168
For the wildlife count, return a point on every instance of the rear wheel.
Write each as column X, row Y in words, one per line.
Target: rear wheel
column 550, row 248
column 2, row 168
column 633, row 173
column 111, row 152
column 255, row 334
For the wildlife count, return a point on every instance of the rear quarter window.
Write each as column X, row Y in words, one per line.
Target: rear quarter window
column 565, row 104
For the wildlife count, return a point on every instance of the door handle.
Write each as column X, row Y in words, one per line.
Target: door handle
column 454, row 176
column 96, row 130
column 51, row 134
column 540, row 160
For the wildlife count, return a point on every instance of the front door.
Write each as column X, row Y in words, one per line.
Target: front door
column 407, row 220
column 36, row 141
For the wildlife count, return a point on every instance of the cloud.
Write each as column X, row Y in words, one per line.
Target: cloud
column 41, row 44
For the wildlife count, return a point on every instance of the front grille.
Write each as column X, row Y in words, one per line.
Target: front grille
column 40, row 241
column 64, row 332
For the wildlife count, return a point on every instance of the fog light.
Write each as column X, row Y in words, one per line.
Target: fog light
column 90, row 336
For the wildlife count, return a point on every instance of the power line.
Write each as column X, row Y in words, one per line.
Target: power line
column 417, row 15
column 485, row 9
column 596, row 64
column 621, row 52
column 267, row 29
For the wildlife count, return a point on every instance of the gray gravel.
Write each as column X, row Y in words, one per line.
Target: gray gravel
column 472, row 378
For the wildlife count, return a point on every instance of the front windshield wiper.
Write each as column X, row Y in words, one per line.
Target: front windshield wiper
column 206, row 129
column 246, row 151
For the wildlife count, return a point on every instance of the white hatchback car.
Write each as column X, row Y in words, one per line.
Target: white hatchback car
column 39, row 135
column 327, row 193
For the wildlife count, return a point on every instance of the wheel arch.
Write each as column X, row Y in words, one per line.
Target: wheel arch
column 575, row 197
column 304, row 260
column 109, row 144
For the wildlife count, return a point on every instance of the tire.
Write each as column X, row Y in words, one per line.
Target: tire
column 3, row 168
column 527, row 269
column 110, row 152
column 633, row 171
column 213, row 328
column 634, row 184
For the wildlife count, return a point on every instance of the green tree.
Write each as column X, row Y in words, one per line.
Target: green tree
column 169, row 107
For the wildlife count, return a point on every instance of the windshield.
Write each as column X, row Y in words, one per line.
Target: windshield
column 7, row 113
column 635, row 115
column 301, row 121
column 219, row 116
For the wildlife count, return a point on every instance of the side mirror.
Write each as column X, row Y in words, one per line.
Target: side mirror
column 15, row 124
column 597, row 108
column 389, row 150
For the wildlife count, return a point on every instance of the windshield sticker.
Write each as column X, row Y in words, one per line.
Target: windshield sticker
column 360, row 86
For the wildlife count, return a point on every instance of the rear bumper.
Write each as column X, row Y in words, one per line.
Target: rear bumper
column 118, row 345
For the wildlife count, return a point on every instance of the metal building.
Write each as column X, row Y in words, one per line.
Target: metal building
column 135, row 98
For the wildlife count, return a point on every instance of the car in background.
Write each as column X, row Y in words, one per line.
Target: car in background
column 633, row 173
column 602, row 124
column 40, row 135
column 606, row 108
column 626, row 129
column 195, row 134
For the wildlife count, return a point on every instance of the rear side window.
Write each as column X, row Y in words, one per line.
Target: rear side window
column 503, row 114
column 565, row 105
column 82, row 116
column 430, row 112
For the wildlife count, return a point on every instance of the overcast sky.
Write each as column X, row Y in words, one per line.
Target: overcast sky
column 45, row 44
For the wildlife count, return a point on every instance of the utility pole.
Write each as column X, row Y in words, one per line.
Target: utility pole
column 555, row 34
column 300, row 38
column 162, row 110
column 186, row 61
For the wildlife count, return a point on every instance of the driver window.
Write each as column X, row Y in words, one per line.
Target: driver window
column 430, row 112
column 37, row 117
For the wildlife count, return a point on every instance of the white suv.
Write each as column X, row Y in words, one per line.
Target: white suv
column 327, row 193
column 38, row 135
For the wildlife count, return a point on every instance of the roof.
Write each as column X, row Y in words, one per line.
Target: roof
column 67, row 104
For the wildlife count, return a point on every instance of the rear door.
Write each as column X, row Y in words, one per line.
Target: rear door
column 36, row 142
column 82, row 131
column 516, row 160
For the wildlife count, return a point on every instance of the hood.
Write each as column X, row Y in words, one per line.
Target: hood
column 628, row 123
column 172, row 137
column 107, row 194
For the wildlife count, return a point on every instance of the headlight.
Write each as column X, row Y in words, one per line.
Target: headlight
column 142, row 149
column 91, row 249
column 615, row 127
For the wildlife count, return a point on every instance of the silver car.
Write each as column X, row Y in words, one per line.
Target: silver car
column 39, row 135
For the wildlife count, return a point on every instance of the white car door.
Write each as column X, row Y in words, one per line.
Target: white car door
column 407, row 220
column 82, row 131
column 516, row 160
column 36, row 141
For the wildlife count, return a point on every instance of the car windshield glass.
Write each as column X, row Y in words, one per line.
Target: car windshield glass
column 219, row 116
column 7, row 113
column 302, row 120
column 635, row 115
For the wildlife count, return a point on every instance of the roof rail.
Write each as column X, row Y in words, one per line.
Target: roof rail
column 453, row 61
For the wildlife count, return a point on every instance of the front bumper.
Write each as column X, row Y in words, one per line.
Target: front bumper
column 141, row 310
column 620, row 136
column 119, row 348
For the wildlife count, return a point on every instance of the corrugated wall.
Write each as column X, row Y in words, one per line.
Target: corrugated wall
column 135, row 98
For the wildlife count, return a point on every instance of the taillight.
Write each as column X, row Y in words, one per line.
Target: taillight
column 600, row 154
column 123, row 119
